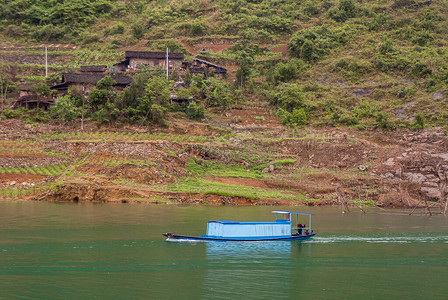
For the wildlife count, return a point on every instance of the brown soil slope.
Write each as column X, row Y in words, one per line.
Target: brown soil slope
column 242, row 157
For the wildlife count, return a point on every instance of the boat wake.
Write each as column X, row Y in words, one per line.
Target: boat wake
column 378, row 239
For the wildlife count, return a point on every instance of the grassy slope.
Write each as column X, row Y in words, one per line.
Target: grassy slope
column 347, row 76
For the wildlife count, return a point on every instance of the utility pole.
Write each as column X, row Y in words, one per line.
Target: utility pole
column 167, row 63
column 46, row 62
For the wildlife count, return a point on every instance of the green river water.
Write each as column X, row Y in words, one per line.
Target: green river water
column 116, row 251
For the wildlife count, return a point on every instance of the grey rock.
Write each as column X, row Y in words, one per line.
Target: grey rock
column 415, row 177
column 437, row 95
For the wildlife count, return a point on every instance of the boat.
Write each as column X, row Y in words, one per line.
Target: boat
column 282, row 229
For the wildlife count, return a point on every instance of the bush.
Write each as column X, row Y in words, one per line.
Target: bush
column 286, row 71
column 423, row 38
column 352, row 67
column 288, row 97
column 64, row 110
column 403, row 3
column 173, row 46
column 420, row 70
column 382, row 121
column 311, row 9
column 117, row 29
column 195, row 112
column 298, row 117
column 404, row 92
column 419, row 122
column 197, row 29
column 313, row 43
column 138, row 30
column 217, row 92
column 387, row 47
column 343, row 12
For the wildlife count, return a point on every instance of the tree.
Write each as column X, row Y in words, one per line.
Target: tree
column 138, row 30
column 218, row 93
column 106, row 82
column 64, row 109
column 288, row 97
column 286, row 71
column 195, row 111
column 245, row 61
column 156, row 98
column 245, row 52
column 7, row 73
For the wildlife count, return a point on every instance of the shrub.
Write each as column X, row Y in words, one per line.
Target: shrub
column 313, row 43
column 419, row 122
column 387, row 47
column 403, row 3
column 298, row 117
column 138, row 30
column 288, row 97
column 195, row 112
column 382, row 121
column 172, row 45
column 423, row 38
column 404, row 92
column 420, row 70
column 197, row 29
column 352, row 67
column 286, row 71
column 64, row 110
column 310, row 9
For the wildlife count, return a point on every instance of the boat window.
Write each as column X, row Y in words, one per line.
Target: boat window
column 283, row 217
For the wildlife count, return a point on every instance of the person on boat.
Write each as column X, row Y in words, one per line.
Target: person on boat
column 299, row 228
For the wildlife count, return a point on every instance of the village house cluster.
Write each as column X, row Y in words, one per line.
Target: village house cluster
column 121, row 74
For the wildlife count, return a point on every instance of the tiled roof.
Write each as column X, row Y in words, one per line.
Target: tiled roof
column 93, row 78
column 100, row 68
column 156, row 55
column 86, row 78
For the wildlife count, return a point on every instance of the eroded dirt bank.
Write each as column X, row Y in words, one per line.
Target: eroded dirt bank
column 234, row 160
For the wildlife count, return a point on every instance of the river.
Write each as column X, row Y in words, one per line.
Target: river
column 116, row 251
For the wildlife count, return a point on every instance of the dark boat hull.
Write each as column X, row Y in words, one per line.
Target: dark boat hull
column 186, row 238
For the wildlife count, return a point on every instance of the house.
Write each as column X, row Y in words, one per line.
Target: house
column 31, row 101
column 93, row 69
column 85, row 81
column 133, row 59
column 199, row 66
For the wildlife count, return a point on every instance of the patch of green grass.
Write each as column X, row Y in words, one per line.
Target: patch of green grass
column 155, row 199
column 364, row 202
column 201, row 186
column 207, row 168
column 283, row 161
column 54, row 170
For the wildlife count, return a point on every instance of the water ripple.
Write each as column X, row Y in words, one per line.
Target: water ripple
column 378, row 239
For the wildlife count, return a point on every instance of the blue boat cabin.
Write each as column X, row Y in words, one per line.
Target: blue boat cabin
column 283, row 226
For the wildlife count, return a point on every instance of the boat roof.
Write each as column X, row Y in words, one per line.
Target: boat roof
column 290, row 212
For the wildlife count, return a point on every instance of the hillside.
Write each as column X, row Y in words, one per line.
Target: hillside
column 358, row 63
column 362, row 81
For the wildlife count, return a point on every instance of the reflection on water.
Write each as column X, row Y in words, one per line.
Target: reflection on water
column 116, row 251
column 237, row 267
column 247, row 250
column 428, row 238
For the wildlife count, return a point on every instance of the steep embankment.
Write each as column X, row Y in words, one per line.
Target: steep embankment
column 242, row 159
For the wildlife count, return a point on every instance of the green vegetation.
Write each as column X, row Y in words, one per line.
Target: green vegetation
column 207, row 168
column 54, row 170
column 122, row 137
column 201, row 186
column 366, row 64
column 21, row 192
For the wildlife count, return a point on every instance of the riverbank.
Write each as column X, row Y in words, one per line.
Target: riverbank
column 231, row 159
